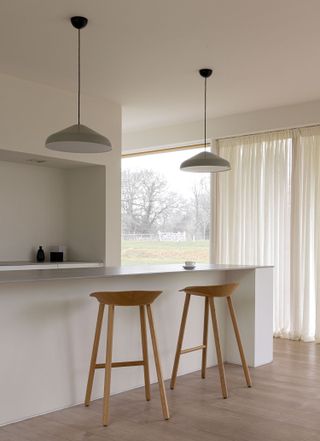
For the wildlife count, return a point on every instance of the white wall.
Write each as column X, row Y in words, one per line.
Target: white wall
column 113, row 210
column 233, row 125
column 33, row 209
column 52, row 206
column 29, row 112
column 86, row 213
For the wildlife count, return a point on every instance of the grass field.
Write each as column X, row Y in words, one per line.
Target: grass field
column 135, row 252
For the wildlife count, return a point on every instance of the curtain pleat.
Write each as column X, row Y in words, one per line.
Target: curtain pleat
column 266, row 211
column 305, row 289
column 253, row 211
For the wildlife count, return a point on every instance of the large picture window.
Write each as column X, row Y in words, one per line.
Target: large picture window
column 165, row 212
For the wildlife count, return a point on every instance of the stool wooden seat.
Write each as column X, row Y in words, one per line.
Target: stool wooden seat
column 209, row 293
column 125, row 298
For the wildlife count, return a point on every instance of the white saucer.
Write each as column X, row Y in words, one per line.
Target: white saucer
column 189, row 267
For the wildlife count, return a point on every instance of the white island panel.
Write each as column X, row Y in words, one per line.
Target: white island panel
column 253, row 303
column 47, row 325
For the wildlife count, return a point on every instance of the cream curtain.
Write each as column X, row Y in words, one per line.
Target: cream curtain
column 266, row 211
column 305, row 234
column 251, row 211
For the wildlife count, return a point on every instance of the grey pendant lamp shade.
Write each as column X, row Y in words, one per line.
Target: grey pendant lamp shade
column 78, row 138
column 205, row 162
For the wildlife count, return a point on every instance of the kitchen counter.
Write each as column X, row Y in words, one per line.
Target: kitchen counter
column 47, row 321
column 85, row 270
column 31, row 266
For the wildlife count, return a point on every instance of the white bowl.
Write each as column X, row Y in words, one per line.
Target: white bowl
column 189, row 267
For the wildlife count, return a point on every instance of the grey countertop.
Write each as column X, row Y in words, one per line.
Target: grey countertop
column 104, row 272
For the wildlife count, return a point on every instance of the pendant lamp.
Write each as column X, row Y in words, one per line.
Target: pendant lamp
column 78, row 138
column 205, row 162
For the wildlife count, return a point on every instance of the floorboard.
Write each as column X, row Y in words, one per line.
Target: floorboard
column 283, row 405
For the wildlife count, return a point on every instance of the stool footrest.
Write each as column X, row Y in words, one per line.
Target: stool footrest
column 195, row 348
column 120, row 364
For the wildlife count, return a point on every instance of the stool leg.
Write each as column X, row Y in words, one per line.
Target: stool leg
column 145, row 352
column 218, row 348
column 94, row 354
column 163, row 397
column 180, row 341
column 238, row 338
column 107, row 377
column 205, row 337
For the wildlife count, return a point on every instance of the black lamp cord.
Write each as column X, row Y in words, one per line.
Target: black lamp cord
column 205, row 114
column 78, row 77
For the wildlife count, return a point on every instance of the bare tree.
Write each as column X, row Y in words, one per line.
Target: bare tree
column 201, row 208
column 147, row 203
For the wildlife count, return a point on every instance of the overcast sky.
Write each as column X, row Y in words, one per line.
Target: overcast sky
column 168, row 164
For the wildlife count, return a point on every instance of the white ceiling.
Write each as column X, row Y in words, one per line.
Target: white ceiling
column 144, row 54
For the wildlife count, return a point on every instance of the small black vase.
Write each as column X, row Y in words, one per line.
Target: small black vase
column 40, row 255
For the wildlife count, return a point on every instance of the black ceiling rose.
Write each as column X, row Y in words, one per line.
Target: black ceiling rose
column 205, row 73
column 79, row 22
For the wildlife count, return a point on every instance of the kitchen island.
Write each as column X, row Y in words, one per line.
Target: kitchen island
column 47, row 322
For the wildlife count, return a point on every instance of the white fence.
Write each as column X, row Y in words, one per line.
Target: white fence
column 172, row 237
column 160, row 236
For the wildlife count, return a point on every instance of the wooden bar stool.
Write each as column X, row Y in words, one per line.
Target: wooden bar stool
column 209, row 293
column 125, row 298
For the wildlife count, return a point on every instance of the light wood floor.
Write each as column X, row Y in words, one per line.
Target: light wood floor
column 284, row 404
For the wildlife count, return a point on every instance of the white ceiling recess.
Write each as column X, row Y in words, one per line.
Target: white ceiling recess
column 144, row 54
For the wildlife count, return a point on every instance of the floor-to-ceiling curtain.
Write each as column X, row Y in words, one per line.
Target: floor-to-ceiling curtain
column 266, row 211
column 251, row 211
column 305, row 234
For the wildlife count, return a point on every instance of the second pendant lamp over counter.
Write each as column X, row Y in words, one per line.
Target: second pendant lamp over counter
column 206, row 161
column 78, row 138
